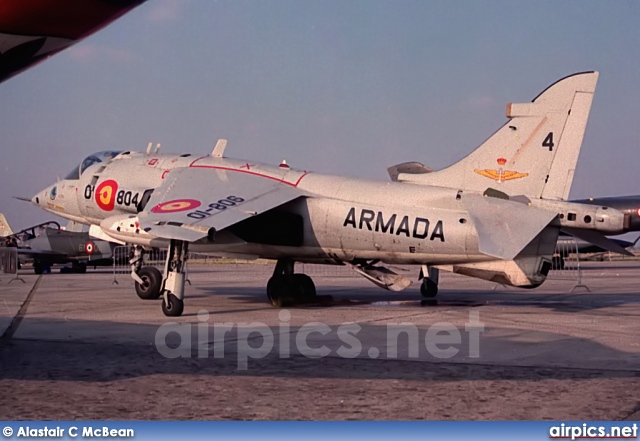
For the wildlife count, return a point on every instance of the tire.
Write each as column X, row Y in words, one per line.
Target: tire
column 79, row 268
column 306, row 285
column 174, row 307
column 38, row 268
column 428, row 288
column 282, row 291
column 152, row 279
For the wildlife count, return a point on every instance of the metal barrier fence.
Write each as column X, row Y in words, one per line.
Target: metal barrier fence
column 122, row 255
column 566, row 262
column 9, row 262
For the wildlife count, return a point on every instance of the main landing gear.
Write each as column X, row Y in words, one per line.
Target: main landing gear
column 287, row 289
column 150, row 284
column 429, row 285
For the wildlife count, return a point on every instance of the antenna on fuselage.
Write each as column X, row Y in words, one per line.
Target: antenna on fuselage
column 218, row 150
column 149, row 148
column 157, row 148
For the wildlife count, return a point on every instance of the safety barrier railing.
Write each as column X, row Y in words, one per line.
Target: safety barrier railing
column 9, row 262
column 566, row 262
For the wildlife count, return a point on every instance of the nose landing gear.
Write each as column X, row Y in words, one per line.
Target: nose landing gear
column 151, row 284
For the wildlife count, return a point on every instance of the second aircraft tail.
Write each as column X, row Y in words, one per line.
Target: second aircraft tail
column 5, row 229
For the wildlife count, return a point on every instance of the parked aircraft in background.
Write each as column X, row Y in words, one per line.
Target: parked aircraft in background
column 568, row 245
column 33, row 30
column 47, row 244
column 627, row 204
column 494, row 215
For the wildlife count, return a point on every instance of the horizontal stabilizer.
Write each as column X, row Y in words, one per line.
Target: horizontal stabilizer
column 504, row 227
column 597, row 239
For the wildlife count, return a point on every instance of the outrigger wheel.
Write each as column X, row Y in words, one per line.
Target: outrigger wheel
column 430, row 277
column 428, row 288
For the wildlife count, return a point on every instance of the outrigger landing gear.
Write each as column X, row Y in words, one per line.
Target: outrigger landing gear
column 286, row 288
column 174, row 277
column 429, row 286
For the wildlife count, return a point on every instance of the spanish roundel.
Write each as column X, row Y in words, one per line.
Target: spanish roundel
column 176, row 206
column 106, row 194
column 89, row 247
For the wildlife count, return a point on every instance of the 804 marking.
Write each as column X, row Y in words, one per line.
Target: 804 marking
column 212, row 208
column 127, row 198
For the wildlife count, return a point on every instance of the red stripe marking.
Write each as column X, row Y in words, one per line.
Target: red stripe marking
column 261, row 175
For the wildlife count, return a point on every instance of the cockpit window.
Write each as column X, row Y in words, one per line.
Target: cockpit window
column 105, row 156
column 88, row 162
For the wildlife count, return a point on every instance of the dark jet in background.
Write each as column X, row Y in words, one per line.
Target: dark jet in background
column 627, row 204
column 47, row 244
column 33, row 30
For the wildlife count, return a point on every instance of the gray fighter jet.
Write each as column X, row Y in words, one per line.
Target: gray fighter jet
column 494, row 215
column 627, row 204
column 47, row 244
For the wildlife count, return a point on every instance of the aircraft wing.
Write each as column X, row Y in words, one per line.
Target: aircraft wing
column 505, row 227
column 193, row 201
column 32, row 252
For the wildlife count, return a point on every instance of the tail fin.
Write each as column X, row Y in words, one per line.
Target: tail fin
column 534, row 153
column 5, row 229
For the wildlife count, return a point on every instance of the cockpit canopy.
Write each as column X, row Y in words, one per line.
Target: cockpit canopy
column 105, row 156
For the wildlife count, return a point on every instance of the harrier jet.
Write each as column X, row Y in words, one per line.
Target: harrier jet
column 47, row 244
column 494, row 215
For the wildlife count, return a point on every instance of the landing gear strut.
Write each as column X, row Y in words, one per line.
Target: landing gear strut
column 429, row 286
column 174, row 277
column 286, row 288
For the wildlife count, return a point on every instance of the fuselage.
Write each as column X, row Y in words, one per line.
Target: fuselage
column 333, row 220
column 337, row 218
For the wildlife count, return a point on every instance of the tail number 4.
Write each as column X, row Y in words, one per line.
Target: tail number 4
column 548, row 142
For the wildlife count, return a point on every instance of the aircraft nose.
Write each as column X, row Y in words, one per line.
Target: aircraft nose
column 48, row 193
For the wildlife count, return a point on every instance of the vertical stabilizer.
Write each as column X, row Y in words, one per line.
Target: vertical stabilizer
column 5, row 229
column 534, row 153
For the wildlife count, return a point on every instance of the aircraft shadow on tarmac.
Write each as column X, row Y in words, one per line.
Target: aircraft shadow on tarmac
column 361, row 297
column 115, row 351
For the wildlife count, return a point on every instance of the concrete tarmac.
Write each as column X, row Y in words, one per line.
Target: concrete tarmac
column 87, row 348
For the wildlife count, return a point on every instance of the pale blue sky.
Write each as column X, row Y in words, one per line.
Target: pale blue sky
column 343, row 87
